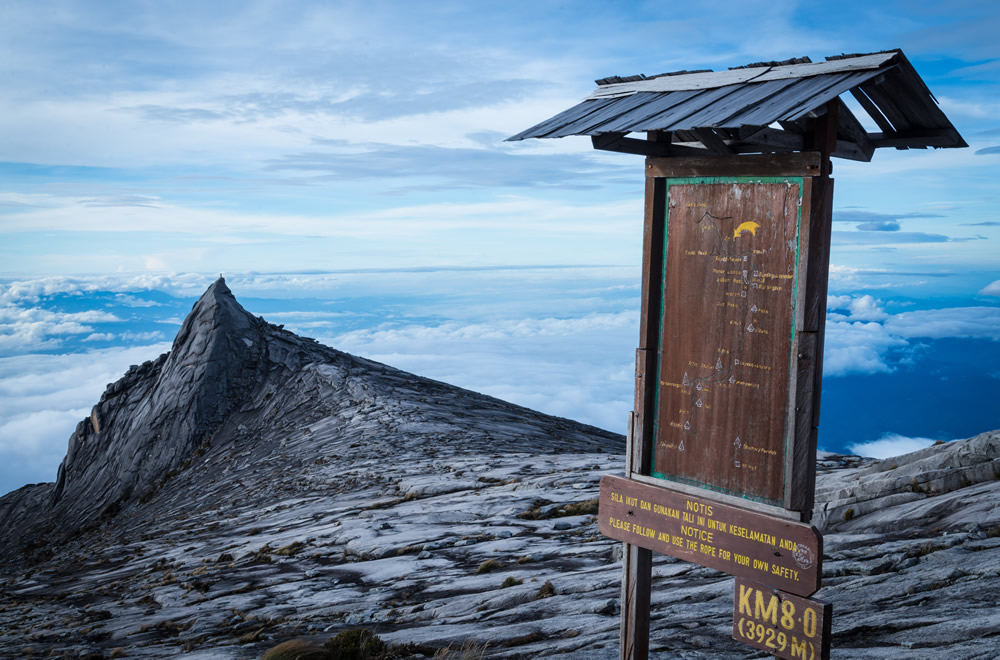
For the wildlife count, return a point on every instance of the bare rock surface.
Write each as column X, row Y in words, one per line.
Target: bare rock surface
column 252, row 486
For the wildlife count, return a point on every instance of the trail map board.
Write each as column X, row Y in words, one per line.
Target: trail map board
column 723, row 417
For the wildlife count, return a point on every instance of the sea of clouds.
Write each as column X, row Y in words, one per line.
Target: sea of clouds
column 560, row 340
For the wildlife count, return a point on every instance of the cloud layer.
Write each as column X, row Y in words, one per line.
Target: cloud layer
column 890, row 445
column 43, row 397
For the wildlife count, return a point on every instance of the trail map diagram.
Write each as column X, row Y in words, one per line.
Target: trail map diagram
column 727, row 324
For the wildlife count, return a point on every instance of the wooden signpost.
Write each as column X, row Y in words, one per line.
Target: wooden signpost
column 721, row 461
column 722, row 444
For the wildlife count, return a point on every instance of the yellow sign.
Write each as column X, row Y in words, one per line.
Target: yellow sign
column 781, row 623
column 746, row 226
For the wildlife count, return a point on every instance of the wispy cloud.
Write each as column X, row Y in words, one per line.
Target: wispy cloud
column 887, row 236
column 456, row 167
column 964, row 322
column 32, row 328
column 43, row 397
column 991, row 289
column 890, row 445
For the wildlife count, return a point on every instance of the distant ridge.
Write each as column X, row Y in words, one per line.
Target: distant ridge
column 232, row 380
column 251, row 487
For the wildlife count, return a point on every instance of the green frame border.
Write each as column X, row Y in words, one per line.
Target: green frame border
column 789, row 430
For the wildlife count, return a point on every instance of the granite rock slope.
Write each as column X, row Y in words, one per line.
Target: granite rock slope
column 252, row 486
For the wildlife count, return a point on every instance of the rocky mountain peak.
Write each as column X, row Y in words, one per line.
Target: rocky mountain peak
column 251, row 487
column 150, row 422
column 234, row 385
column 216, row 314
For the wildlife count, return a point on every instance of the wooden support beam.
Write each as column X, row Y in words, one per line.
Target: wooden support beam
column 858, row 143
column 774, row 138
column 803, row 163
column 817, row 224
column 713, row 142
column 917, row 139
column 637, row 563
column 872, row 110
column 851, row 151
column 618, row 142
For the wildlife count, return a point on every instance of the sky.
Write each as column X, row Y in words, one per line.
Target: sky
column 343, row 165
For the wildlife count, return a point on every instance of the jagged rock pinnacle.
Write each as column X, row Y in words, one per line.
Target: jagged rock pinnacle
column 149, row 422
column 233, row 383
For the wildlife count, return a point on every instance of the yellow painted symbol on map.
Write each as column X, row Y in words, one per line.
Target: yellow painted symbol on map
column 746, row 226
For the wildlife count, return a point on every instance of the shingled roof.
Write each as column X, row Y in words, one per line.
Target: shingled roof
column 759, row 108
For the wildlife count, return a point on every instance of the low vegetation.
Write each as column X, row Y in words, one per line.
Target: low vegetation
column 363, row 644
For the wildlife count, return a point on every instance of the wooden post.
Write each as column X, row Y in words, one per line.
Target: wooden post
column 637, row 563
column 823, row 138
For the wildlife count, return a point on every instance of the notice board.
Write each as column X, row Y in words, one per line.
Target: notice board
column 725, row 391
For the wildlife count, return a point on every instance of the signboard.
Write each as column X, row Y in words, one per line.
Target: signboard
column 762, row 548
column 722, row 417
column 780, row 623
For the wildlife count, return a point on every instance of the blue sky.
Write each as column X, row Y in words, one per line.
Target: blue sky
column 343, row 164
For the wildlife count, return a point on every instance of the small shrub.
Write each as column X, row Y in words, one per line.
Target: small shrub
column 355, row 644
column 546, row 590
column 296, row 649
column 224, row 558
column 255, row 531
column 468, row 651
column 586, row 507
column 262, row 556
column 290, row 549
column 526, row 559
column 529, row 638
column 253, row 636
column 488, row 566
column 535, row 512
column 849, row 514
column 583, row 508
column 510, row 582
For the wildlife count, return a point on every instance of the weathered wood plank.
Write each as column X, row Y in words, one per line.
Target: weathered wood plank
column 820, row 212
column 729, row 305
column 859, row 145
column 678, row 116
column 805, row 163
column 713, row 142
column 619, row 143
column 781, row 553
column 637, row 567
column 649, row 325
column 772, row 137
column 801, row 457
column 872, row 110
column 740, row 502
column 551, row 124
column 637, row 564
column 917, row 139
column 629, row 121
column 595, row 121
column 889, row 106
column 713, row 79
column 737, row 101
